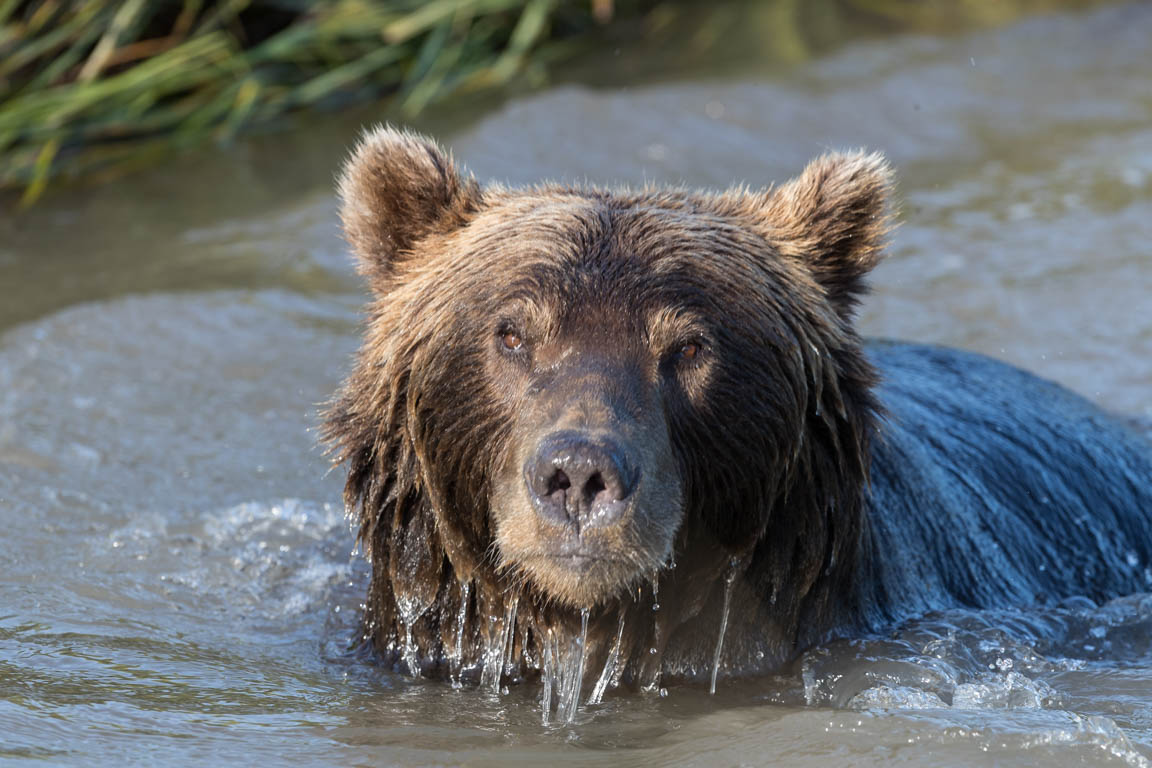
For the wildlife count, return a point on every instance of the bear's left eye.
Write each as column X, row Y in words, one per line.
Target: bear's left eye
column 689, row 350
column 511, row 341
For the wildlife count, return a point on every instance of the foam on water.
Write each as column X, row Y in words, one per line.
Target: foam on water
column 288, row 555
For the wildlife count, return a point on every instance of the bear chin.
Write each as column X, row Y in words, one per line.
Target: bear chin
column 576, row 580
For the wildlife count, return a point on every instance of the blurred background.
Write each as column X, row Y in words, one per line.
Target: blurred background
column 176, row 302
column 90, row 88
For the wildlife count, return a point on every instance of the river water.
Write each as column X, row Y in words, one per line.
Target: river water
column 177, row 580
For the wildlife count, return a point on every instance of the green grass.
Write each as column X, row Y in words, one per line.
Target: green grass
column 94, row 85
column 98, row 86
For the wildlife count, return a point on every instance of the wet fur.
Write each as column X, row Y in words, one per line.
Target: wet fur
column 772, row 441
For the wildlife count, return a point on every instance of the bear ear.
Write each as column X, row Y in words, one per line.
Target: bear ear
column 834, row 216
column 396, row 188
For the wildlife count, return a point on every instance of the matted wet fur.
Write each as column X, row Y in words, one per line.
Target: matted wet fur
column 699, row 347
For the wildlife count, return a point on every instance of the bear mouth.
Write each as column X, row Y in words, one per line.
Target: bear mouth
column 578, row 560
column 577, row 576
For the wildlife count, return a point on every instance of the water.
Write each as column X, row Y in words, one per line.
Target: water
column 563, row 672
column 609, row 675
column 717, row 657
column 177, row 583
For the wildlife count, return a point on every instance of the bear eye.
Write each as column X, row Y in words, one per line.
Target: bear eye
column 511, row 340
column 683, row 355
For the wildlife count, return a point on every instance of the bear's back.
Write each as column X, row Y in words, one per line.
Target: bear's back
column 991, row 485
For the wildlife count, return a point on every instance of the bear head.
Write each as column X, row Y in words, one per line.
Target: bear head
column 563, row 390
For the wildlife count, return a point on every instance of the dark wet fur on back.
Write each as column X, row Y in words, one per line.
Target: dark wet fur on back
column 1042, row 496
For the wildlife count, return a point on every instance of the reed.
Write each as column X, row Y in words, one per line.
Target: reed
column 99, row 84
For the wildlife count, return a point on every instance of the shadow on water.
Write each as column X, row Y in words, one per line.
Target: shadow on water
column 177, row 582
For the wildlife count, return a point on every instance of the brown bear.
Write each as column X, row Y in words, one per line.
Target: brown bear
column 605, row 436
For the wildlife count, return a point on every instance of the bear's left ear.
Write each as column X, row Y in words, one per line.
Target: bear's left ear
column 833, row 216
column 396, row 188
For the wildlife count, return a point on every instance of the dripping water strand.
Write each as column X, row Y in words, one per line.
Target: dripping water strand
column 548, row 674
column 493, row 654
column 654, row 649
column 411, row 660
column 608, row 674
column 410, row 612
column 457, row 660
column 503, row 659
column 576, row 670
column 729, row 580
column 563, row 673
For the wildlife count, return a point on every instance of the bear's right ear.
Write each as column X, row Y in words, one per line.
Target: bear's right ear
column 396, row 188
column 834, row 216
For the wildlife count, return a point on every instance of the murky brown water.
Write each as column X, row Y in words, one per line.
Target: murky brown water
column 176, row 581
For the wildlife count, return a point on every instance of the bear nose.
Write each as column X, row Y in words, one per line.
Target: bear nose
column 580, row 481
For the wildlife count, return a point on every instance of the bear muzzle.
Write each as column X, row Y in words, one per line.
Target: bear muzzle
column 588, row 497
column 581, row 481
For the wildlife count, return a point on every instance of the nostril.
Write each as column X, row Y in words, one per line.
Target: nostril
column 558, row 482
column 593, row 487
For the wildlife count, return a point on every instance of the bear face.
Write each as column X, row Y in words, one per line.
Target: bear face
column 563, row 389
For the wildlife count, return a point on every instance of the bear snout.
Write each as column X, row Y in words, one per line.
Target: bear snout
column 580, row 481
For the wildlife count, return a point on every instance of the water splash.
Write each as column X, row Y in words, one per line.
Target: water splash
column 608, row 674
column 456, row 660
column 729, row 580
